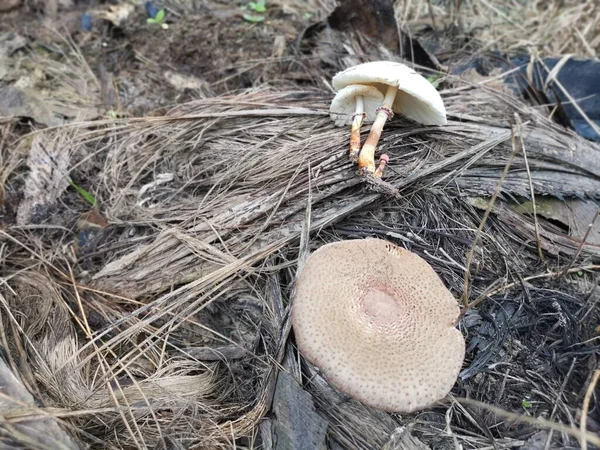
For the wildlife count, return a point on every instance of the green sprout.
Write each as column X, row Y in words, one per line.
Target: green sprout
column 85, row 194
column 159, row 19
column 435, row 80
column 259, row 6
column 525, row 404
column 254, row 19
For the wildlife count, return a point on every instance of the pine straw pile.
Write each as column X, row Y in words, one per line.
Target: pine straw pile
column 168, row 327
column 544, row 27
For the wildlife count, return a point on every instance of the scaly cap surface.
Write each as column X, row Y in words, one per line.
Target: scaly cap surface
column 379, row 323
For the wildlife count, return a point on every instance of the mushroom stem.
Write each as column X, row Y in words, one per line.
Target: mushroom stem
column 383, row 160
column 357, row 120
column 366, row 159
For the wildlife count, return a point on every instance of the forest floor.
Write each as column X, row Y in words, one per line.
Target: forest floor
column 159, row 186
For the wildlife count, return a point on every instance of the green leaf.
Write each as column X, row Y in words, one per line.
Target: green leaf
column 434, row 80
column 85, row 194
column 150, row 20
column 253, row 18
column 160, row 16
column 526, row 404
column 258, row 6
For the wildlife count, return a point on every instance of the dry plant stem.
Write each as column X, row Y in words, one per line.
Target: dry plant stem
column 366, row 159
column 512, row 284
column 555, row 407
column 542, row 423
column 581, row 244
column 465, row 296
column 531, row 190
column 357, row 121
column 585, row 408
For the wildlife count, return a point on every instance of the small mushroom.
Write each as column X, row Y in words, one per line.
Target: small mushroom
column 352, row 105
column 379, row 324
column 405, row 91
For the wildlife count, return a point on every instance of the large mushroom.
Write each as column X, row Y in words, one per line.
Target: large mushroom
column 379, row 324
column 405, row 91
column 351, row 106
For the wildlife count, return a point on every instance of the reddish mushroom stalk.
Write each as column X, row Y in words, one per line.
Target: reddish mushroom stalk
column 402, row 91
column 383, row 160
column 366, row 160
column 353, row 105
column 357, row 120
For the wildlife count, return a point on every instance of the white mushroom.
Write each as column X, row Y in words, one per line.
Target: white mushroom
column 352, row 105
column 405, row 91
column 379, row 324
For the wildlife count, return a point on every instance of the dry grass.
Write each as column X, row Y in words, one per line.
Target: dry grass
column 189, row 265
column 170, row 325
column 544, row 28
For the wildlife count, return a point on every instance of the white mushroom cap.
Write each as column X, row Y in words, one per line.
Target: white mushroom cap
column 343, row 104
column 379, row 324
column 416, row 99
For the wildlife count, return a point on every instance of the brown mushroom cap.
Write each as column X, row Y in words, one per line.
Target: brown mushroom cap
column 379, row 324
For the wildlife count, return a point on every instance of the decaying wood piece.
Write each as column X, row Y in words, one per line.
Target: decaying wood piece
column 552, row 242
column 296, row 426
column 349, row 419
column 48, row 163
column 402, row 439
column 39, row 431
